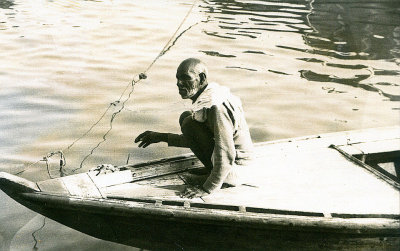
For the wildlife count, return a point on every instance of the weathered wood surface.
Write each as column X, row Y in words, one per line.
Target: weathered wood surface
column 297, row 174
column 81, row 185
column 299, row 193
column 13, row 184
column 302, row 175
column 111, row 179
column 378, row 146
column 231, row 215
column 131, row 189
column 159, row 226
column 55, row 186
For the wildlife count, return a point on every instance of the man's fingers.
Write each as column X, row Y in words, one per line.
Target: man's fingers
column 145, row 139
column 143, row 142
column 141, row 136
column 184, row 192
column 188, row 193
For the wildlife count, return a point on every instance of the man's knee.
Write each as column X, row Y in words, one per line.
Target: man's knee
column 183, row 116
column 188, row 126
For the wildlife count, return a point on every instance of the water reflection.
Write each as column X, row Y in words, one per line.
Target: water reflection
column 339, row 29
column 252, row 18
column 6, row 4
column 353, row 81
column 332, row 31
column 355, row 30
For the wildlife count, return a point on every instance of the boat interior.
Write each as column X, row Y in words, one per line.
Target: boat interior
column 333, row 174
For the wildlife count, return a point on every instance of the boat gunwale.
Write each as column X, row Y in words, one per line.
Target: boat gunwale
column 358, row 224
column 260, row 145
column 390, row 179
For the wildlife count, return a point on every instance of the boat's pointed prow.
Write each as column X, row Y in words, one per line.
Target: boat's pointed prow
column 11, row 184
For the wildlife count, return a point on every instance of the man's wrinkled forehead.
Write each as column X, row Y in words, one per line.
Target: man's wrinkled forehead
column 186, row 70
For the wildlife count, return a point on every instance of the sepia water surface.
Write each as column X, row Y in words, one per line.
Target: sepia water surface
column 300, row 67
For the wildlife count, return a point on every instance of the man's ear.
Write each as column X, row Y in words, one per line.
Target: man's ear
column 203, row 77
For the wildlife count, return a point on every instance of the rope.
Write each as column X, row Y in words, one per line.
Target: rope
column 90, row 129
column 37, row 230
column 141, row 76
column 162, row 52
column 111, row 122
column 63, row 162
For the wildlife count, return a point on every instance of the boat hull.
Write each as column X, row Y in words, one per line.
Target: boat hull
column 157, row 227
column 341, row 199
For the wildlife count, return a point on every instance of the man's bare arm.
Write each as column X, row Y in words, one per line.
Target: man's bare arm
column 149, row 137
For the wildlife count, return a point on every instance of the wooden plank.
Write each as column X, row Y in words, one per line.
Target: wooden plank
column 16, row 184
column 156, row 170
column 55, row 186
column 379, row 146
column 362, row 135
column 172, row 179
column 81, row 185
column 376, row 170
column 299, row 181
column 111, row 179
column 204, row 215
column 350, row 149
column 308, row 177
column 135, row 190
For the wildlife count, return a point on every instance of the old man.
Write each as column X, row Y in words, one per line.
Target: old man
column 215, row 129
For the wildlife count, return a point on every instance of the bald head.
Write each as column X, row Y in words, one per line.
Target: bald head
column 193, row 65
column 191, row 77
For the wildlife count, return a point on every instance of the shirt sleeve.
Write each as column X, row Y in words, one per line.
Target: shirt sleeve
column 177, row 140
column 224, row 149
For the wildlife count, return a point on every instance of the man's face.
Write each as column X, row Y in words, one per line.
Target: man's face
column 188, row 82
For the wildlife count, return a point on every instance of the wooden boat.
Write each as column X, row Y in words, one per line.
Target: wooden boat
column 330, row 191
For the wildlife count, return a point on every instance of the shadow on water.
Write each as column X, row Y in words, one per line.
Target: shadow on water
column 355, row 82
column 6, row 4
column 332, row 30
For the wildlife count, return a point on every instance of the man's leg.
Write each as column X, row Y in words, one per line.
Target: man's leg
column 199, row 137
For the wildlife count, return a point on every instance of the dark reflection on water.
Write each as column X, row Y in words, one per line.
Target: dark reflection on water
column 342, row 30
column 365, row 30
column 215, row 53
column 6, row 4
column 355, row 82
column 261, row 16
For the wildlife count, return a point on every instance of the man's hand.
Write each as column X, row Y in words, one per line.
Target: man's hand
column 149, row 137
column 193, row 192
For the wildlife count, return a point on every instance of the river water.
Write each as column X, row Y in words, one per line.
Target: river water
column 300, row 67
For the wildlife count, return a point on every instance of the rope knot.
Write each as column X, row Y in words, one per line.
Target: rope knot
column 115, row 103
column 142, row 76
column 104, row 168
